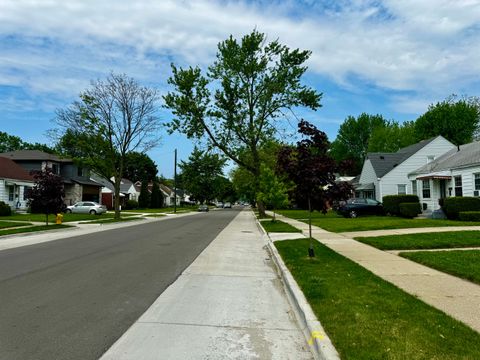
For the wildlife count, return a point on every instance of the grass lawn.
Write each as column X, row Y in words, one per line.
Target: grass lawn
column 32, row 229
column 278, row 226
column 335, row 223
column 10, row 224
column 461, row 263
column 162, row 210
column 66, row 217
column 369, row 318
column 441, row 240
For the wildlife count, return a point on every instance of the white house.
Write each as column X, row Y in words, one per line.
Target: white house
column 388, row 173
column 14, row 184
column 455, row 173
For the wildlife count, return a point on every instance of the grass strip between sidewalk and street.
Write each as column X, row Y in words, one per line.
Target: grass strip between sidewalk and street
column 335, row 223
column 434, row 240
column 368, row 318
column 278, row 226
column 110, row 221
column 461, row 263
column 33, row 229
column 11, row 224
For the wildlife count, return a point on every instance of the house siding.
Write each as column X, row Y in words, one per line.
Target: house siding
column 399, row 175
column 368, row 176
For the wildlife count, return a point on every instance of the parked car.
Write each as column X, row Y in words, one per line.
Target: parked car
column 359, row 206
column 203, row 208
column 219, row 205
column 227, row 205
column 86, row 207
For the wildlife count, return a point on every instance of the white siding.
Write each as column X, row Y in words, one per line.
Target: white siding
column 3, row 191
column 399, row 175
column 368, row 176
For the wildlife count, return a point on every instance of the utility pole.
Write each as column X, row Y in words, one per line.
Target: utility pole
column 175, row 184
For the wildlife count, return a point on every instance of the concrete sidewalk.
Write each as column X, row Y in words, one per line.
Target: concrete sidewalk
column 387, row 232
column 454, row 296
column 228, row 304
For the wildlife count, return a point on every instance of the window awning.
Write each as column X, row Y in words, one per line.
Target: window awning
column 440, row 175
column 369, row 186
column 18, row 183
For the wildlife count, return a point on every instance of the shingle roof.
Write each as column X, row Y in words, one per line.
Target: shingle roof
column 384, row 162
column 10, row 170
column 466, row 155
column 20, row 155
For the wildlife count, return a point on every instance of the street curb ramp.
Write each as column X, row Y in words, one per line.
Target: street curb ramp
column 320, row 344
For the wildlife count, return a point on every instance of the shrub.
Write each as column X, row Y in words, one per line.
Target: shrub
column 131, row 205
column 410, row 210
column 391, row 203
column 453, row 205
column 469, row 215
column 5, row 209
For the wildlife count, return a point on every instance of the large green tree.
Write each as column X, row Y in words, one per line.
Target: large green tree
column 139, row 167
column 113, row 117
column 14, row 143
column 392, row 137
column 236, row 105
column 353, row 138
column 200, row 172
column 455, row 119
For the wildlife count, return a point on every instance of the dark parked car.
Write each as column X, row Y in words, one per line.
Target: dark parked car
column 203, row 208
column 358, row 206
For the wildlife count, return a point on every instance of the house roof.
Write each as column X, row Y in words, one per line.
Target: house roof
column 383, row 163
column 11, row 170
column 24, row 155
column 463, row 156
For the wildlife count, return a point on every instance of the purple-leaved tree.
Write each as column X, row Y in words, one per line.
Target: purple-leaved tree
column 311, row 168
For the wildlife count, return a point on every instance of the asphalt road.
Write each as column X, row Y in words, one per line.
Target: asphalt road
column 73, row 298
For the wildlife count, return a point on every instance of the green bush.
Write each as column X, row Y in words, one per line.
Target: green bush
column 410, row 210
column 391, row 203
column 469, row 215
column 131, row 205
column 453, row 205
column 5, row 209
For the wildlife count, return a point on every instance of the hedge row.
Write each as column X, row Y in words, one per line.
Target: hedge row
column 5, row 209
column 410, row 210
column 391, row 203
column 469, row 215
column 452, row 206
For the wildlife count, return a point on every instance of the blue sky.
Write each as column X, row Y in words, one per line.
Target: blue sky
column 388, row 57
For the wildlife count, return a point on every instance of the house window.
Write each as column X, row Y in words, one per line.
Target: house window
column 414, row 187
column 477, row 181
column 79, row 171
column 401, row 189
column 426, row 189
column 26, row 192
column 55, row 169
column 458, row 186
column 11, row 193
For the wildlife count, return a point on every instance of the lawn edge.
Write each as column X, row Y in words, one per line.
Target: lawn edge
column 315, row 336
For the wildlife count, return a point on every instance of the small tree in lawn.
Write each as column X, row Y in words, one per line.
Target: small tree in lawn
column 156, row 198
column 311, row 168
column 144, row 197
column 47, row 195
column 272, row 191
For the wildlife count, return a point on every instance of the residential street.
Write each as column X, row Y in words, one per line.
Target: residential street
column 73, row 298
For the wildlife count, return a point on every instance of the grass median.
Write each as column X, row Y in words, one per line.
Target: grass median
column 32, row 229
column 461, row 263
column 369, row 318
column 271, row 226
column 440, row 240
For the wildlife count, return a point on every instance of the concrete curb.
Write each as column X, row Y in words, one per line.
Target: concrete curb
column 320, row 344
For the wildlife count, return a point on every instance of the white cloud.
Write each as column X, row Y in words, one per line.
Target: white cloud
column 428, row 46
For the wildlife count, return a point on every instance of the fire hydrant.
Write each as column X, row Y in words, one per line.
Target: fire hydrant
column 58, row 219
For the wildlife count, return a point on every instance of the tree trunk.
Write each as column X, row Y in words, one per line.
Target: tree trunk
column 116, row 203
column 46, row 219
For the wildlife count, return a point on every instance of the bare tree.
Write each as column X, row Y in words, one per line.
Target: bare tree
column 112, row 118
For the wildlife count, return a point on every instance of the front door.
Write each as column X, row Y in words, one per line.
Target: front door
column 443, row 189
